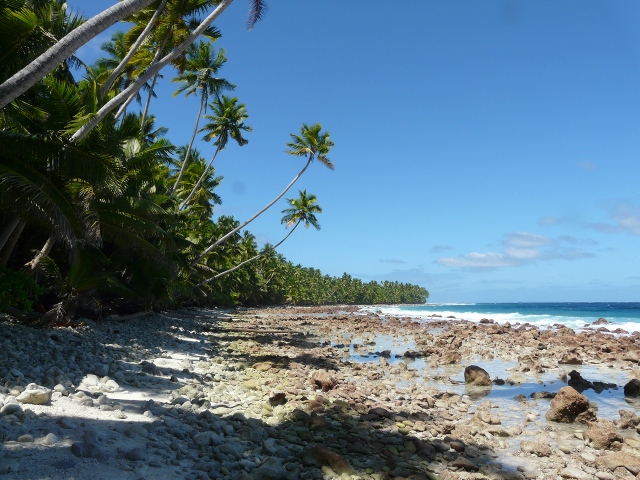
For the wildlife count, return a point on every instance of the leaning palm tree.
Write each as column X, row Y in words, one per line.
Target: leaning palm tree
column 200, row 77
column 49, row 60
column 227, row 122
column 302, row 210
column 312, row 143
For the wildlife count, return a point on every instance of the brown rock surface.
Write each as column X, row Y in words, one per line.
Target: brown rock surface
column 474, row 375
column 567, row 405
column 603, row 434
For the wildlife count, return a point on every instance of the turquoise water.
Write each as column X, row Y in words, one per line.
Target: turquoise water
column 572, row 314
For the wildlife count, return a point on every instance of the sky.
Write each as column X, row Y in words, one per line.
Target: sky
column 487, row 151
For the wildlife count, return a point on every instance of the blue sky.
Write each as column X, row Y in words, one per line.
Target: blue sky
column 487, row 151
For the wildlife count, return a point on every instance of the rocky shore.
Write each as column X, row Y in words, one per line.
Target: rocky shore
column 312, row 393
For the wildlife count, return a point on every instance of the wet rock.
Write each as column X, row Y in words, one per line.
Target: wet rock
column 542, row 395
column 474, row 375
column 603, row 434
column 567, row 405
column 601, row 321
column 632, row 389
column 581, row 384
column 137, row 454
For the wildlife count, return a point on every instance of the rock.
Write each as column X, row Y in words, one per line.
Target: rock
column 603, row 434
column 601, row 321
column 137, row 454
column 263, row 366
column 628, row 419
column 575, row 473
column 205, row 439
column 632, row 389
column 323, row 380
column 614, row 460
column 35, row 395
column 570, row 360
column 581, row 384
column 271, row 469
column 474, row 375
column 536, row 448
column 319, row 456
column 567, row 405
column 465, row 464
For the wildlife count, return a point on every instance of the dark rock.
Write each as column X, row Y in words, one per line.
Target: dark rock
column 474, row 375
column 581, row 384
column 542, row 395
column 632, row 389
column 601, row 321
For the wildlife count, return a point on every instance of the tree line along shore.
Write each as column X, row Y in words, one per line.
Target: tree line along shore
column 101, row 212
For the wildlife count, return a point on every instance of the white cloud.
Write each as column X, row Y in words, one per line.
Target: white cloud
column 625, row 217
column 518, row 248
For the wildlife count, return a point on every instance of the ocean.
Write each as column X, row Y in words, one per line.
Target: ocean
column 575, row 315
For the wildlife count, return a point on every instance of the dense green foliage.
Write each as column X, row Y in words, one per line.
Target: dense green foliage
column 123, row 219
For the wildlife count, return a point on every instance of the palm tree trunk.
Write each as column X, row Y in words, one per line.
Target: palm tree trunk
column 134, row 48
column 148, row 102
column 11, row 243
column 155, row 79
column 200, row 180
column 193, row 137
column 65, row 47
column 249, row 260
column 33, row 264
column 225, row 237
column 8, row 229
column 123, row 109
column 151, row 71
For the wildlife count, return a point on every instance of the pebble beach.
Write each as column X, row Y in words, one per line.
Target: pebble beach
column 315, row 393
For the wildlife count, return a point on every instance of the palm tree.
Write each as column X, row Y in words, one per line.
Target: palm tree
column 64, row 48
column 302, row 210
column 124, row 61
column 227, row 122
column 149, row 73
column 200, row 75
column 49, row 60
column 312, row 143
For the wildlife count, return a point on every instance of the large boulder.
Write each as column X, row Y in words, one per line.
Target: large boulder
column 567, row 405
column 474, row 375
column 632, row 389
column 603, row 435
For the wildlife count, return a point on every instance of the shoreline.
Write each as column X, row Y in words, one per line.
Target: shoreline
column 284, row 393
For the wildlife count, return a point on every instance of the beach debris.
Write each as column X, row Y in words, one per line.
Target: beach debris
column 604, row 435
column 478, row 376
column 567, row 405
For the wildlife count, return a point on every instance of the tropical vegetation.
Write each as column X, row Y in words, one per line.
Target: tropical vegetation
column 100, row 211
